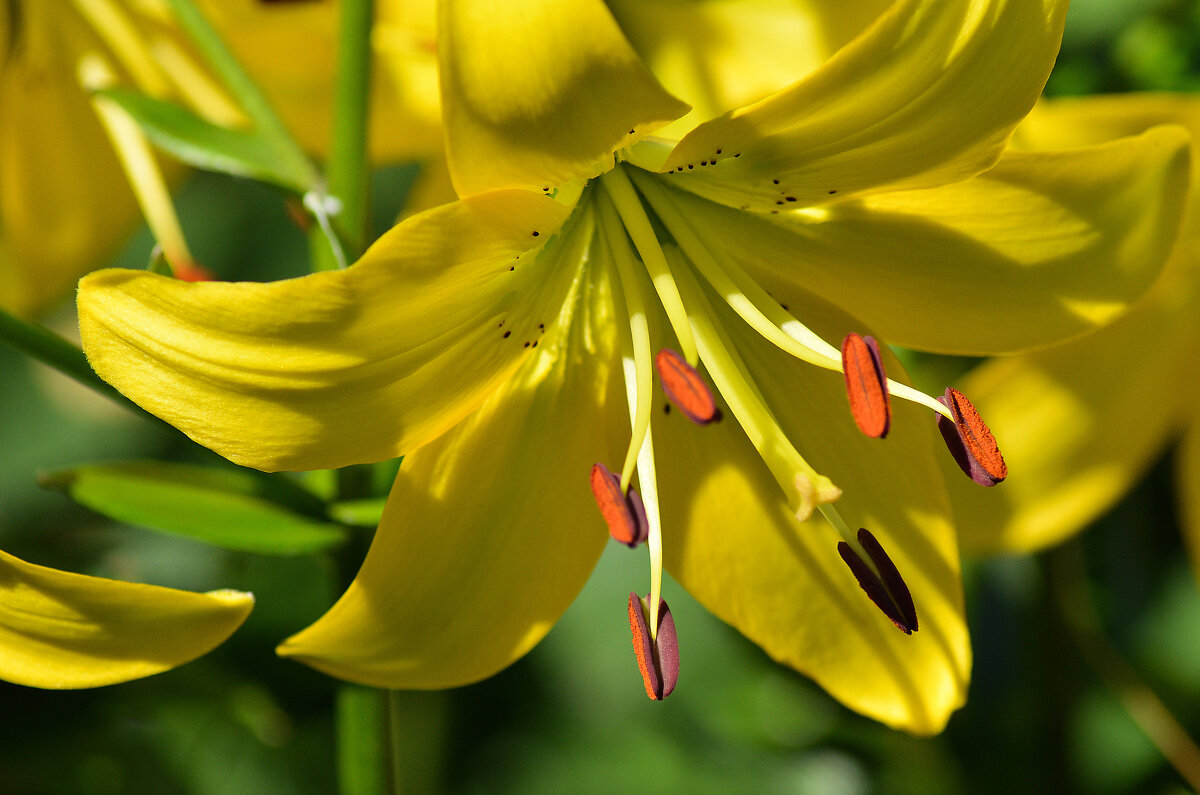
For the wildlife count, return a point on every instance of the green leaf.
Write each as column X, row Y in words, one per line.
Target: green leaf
column 232, row 509
column 360, row 513
column 205, row 145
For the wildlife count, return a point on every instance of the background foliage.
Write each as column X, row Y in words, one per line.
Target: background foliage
column 572, row 715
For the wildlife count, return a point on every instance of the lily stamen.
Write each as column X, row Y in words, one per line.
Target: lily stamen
column 658, row 651
column 750, row 301
column 881, row 580
column 685, row 388
column 137, row 159
column 866, row 385
column 971, row 441
column 623, row 512
column 625, row 199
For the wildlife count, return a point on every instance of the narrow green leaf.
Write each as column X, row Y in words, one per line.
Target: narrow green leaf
column 232, row 509
column 208, row 146
column 360, row 513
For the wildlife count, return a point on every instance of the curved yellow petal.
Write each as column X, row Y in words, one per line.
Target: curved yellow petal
column 1078, row 424
column 65, row 631
column 64, row 203
column 1066, row 122
column 540, row 92
column 927, row 95
column 731, row 540
column 489, row 534
column 346, row 366
column 724, row 54
column 1042, row 248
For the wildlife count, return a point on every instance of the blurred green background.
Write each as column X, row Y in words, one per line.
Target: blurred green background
column 573, row 716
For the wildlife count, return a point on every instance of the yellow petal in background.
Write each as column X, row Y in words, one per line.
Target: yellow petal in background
column 267, row 37
column 65, row 631
column 64, row 202
column 1044, row 247
column 927, row 95
column 721, row 55
column 539, row 92
column 489, row 534
column 341, row 367
column 732, row 541
column 1078, row 424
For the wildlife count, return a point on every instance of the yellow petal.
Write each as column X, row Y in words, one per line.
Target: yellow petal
column 64, row 202
column 1078, row 424
column 1044, row 247
column 1083, row 121
column 540, row 92
column 724, row 54
column 65, row 631
column 927, row 95
column 489, row 534
column 731, row 540
column 266, row 38
column 340, row 367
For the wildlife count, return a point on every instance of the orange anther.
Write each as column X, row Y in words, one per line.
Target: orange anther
column 971, row 441
column 685, row 388
column 624, row 514
column 189, row 271
column 866, row 384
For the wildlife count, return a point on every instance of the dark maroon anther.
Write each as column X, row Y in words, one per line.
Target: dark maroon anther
column 970, row 440
column 624, row 514
column 887, row 589
column 657, row 658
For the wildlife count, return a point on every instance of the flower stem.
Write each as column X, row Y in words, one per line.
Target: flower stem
column 221, row 61
column 1140, row 701
column 49, row 348
column 349, row 177
column 362, row 759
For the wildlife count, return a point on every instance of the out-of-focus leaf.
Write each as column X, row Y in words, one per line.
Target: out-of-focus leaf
column 361, row 513
column 205, row 145
column 227, row 508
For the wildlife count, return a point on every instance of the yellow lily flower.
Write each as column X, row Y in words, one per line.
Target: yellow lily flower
column 486, row 339
column 65, row 631
column 1082, row 422
column 65, row 202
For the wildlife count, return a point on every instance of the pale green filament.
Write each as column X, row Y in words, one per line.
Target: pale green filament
column 122, row 37
column 839, row 524
column 632, row 338
column 640, row 382
column 751, row 302
column 137, row 159
column 804, row 487
column 618, row 188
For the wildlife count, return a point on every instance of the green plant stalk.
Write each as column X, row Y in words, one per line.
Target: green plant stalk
column 349, row 172
column 49, row 348
column 251, row 100
column 1139, row 700
column 362, row 758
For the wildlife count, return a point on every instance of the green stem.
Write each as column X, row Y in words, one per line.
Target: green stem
column 49, row 348
column 348, row 170
column 349, row 176
column 361, row 756
column 244, row 90
column 1140, row 701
